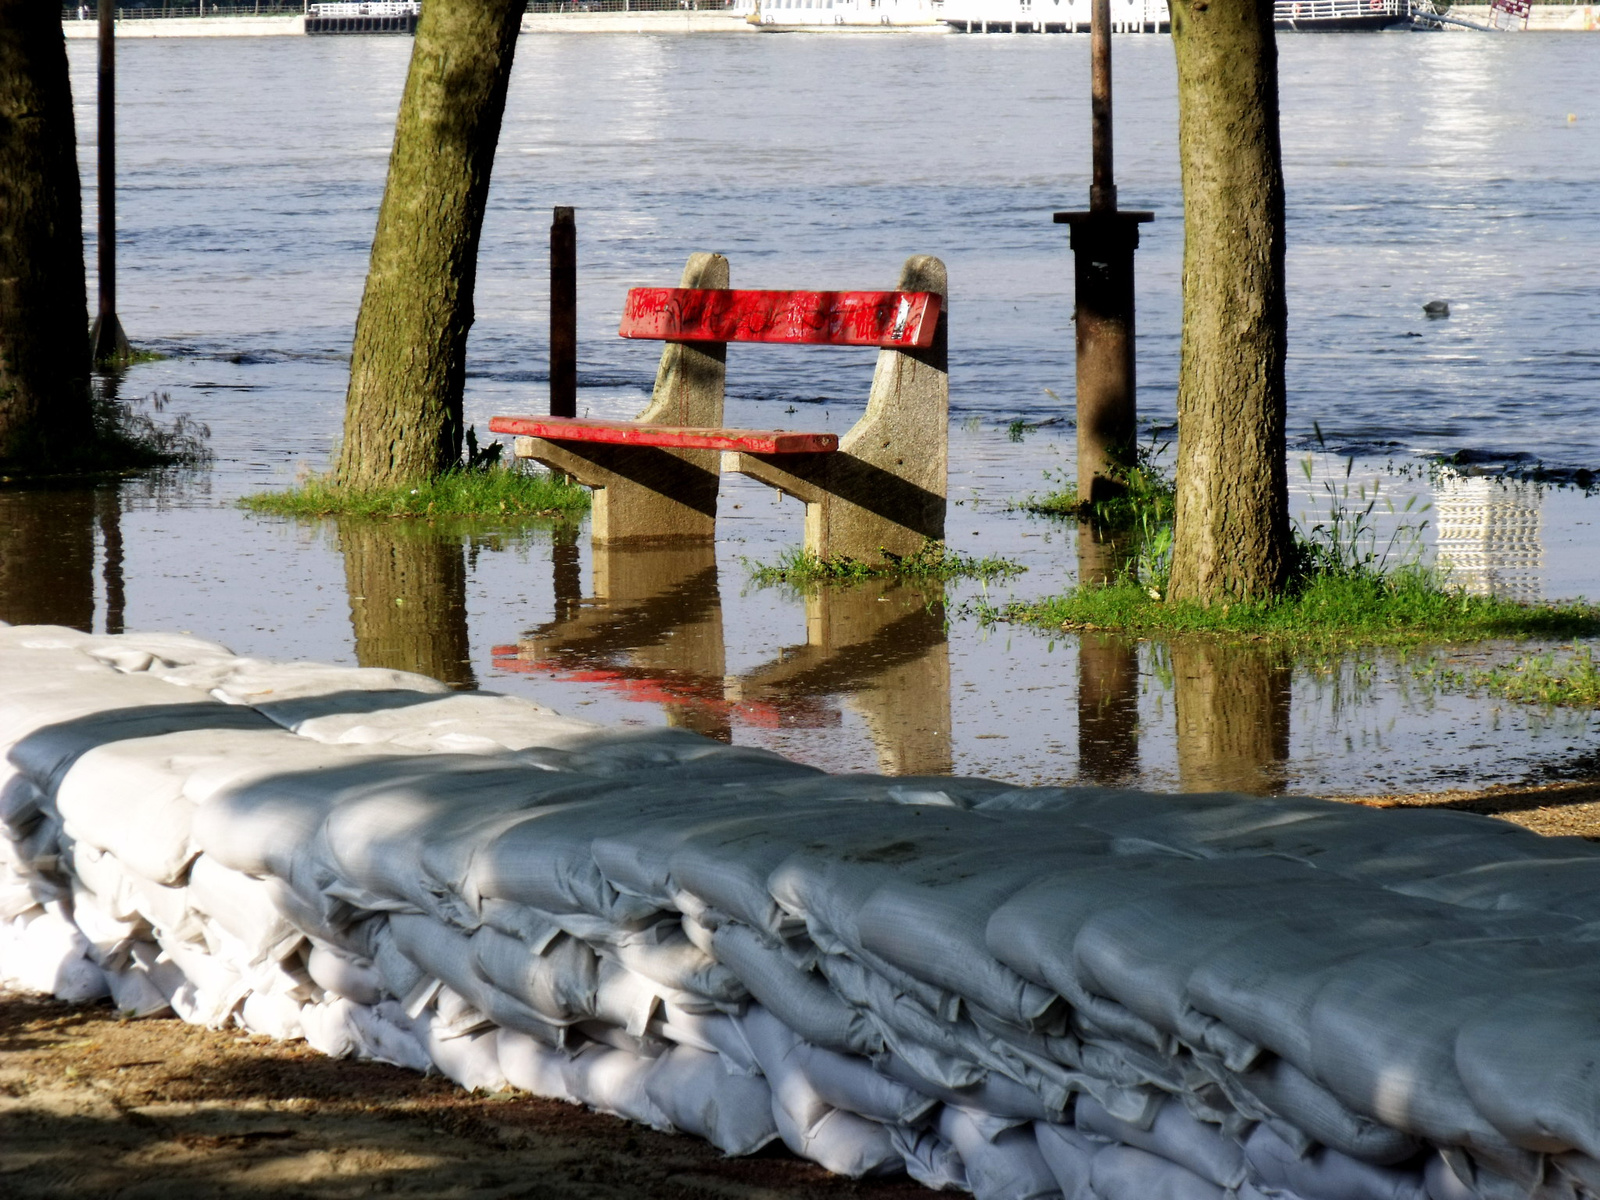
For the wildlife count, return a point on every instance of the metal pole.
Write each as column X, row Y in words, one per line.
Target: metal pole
column 106, row 337
column 1103, row 242
column 563, row 314
column 1103, row 191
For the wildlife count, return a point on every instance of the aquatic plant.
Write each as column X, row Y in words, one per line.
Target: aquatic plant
column 933, row 562
column 490, row 491
column 1566, row 678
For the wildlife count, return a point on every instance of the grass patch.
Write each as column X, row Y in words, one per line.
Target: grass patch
column 496, row 492
column 935, row 562
column 1409, row 606
column 1569, row 678
column 1148, row 499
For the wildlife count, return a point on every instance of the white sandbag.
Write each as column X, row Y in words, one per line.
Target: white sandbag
column 676, row 963
column 1325, row 1174
column 1298, row 1105
column 456, row 722
column 329, row 1027
column 849, row 1082
column 995, row 1096
column 384, row 1033
column 613, row 1081
column 48, row 954
column 292, row 692
column 271, row 1015
column 246, row 907
column 1000, row 1164
column 624, row 999
column 212, row 988
column 356, row 979
column 1123, row 1173
column 530, row 1065
column 143, row 986
column 696, row 1093
column 471, row 1060
column 1175, row 1135
column 1070, row 1157
column 110, row 940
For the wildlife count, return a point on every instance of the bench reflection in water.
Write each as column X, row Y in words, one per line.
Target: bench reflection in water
column 651, row 631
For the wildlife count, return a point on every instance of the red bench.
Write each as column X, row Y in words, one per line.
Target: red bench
column 880, row 488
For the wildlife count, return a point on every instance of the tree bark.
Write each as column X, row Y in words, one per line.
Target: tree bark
column 408, row 365
column 44, row 346
column 1231, row 539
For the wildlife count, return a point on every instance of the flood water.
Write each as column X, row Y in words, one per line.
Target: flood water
column 1419, row 167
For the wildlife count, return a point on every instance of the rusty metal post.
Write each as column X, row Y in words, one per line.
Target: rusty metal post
column 563, row 314
column 108, row 342
column 1103, row 242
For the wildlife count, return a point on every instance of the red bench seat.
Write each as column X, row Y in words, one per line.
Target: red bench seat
column 679, row 437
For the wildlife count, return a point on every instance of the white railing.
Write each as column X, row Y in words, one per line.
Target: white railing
column 368, row 8
column 1315, row 11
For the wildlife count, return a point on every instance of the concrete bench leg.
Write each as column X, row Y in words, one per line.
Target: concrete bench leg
column 646, row 494
column 884, row 489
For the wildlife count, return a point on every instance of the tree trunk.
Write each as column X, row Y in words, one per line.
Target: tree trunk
column 44, row 345
column 408, row 366
column 1231, row 539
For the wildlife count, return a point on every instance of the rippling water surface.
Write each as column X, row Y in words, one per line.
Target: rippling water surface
column 1419, row 167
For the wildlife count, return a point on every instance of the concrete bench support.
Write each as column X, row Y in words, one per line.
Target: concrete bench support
column 645, row 494
column 884, row 490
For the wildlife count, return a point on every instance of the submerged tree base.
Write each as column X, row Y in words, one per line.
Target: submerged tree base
column 496, row 492
column 1408, row 607
column 934, row 562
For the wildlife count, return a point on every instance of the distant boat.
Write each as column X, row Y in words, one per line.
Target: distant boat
column 1151, row 16
column 372, row 16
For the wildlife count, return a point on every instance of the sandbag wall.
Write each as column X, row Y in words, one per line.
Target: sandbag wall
column 1020, row 992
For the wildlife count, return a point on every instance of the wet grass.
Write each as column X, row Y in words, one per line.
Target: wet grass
column 1409, row 606
column 1568, row 678
column 497, row 492
column 935, row 562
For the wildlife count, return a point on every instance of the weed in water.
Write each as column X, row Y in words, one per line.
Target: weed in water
column 490, row 492
column 1408, row 606
column 933, row 562
column 1147, row 498
column 1569, row 678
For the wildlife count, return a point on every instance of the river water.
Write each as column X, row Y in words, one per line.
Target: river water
column 1419, row 167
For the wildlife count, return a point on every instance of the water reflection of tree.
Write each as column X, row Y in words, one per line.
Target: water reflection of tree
column 47, row 555
column 1232, row 703
column 1108, row 708
column 408, row 599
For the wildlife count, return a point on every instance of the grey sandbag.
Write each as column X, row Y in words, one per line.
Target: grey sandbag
column 446, row 955
column 1175, row 1135
column 1568, row 886
column 558, row 981
column 849, row 1081
column 1529, row 1060
column 1326, row 1174
column 356, row 979
column 1310, row 1110
column 1000, row 1165
column 1124, row 1173
column 802, row 1000
column 1404, row 1071
column 1070, row 1157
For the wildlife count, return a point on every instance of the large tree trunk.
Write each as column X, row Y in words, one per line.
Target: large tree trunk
column 44, row 344
column 408, row 367
column 1232, row 536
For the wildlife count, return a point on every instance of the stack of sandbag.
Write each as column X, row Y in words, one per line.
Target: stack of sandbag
column 1022, row 992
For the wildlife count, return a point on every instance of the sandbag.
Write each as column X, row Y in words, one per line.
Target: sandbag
column 1003, row 1164
column 697, row 1094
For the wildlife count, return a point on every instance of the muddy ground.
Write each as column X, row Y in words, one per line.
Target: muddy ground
column 94, row 1106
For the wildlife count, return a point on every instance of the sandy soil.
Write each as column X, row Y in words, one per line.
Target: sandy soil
column 94, row 1106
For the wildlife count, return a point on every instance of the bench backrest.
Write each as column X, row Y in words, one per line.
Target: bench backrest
column 898, row 320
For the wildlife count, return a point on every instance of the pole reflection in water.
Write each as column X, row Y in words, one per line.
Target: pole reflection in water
column 652, row 631
column 408, row 599
column 1232, row 705
column 47, row 555
column 1103, row 554
column 1108, row 709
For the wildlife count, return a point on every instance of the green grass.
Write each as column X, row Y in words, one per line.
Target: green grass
column 1569, row 678
column 1149, row 498
column 1409, row 606
column 934, row 562
column 498, row 492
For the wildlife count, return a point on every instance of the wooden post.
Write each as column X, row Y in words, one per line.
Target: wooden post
column 1103, row 242
column 109, row 343
column 563, row 315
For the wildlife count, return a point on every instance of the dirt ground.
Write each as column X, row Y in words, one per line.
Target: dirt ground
column 94, row 1106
